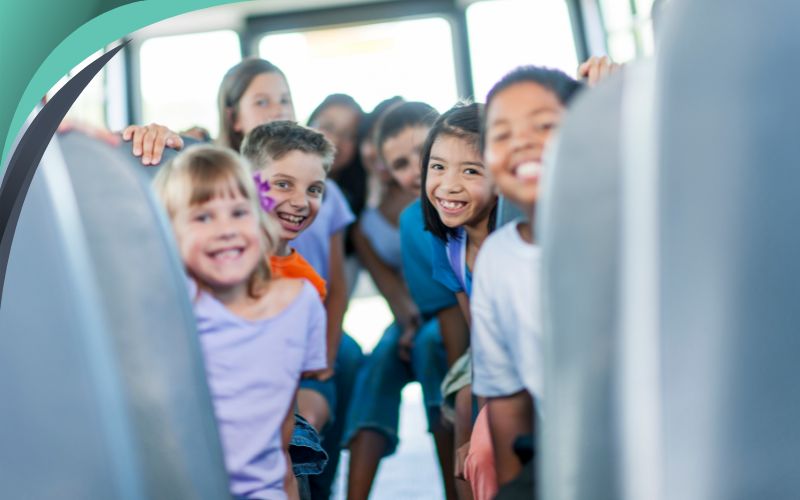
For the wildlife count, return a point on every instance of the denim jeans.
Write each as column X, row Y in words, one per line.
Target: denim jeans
column 348, row 362
column 376, row 397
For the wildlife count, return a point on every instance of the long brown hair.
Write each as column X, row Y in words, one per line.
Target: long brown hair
column 233, row 86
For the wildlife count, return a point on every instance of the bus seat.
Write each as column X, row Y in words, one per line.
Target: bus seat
column 579, row 229
column 730, row 246
column 101, row 375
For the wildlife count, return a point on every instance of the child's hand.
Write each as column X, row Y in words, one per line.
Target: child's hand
column 321, row 375
column 406, row 343
column 461, row 458
column 597, row 69
column 149, row 141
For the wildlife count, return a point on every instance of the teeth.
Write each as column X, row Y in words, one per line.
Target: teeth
column 294, row 219
column 528, row 170
column 228, row 254
column 451, row 205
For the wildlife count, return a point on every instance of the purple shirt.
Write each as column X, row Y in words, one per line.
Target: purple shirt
column 253, row 369
column 314, row 244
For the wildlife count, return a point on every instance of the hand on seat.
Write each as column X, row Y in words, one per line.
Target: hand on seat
column 149, row 141
column 596, row 69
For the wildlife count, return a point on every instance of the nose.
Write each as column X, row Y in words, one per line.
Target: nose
column 523, row 139
column 451, row 181
column 226, row 230
column 299, row 200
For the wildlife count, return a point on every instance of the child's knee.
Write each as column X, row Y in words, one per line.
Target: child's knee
column 314, row 408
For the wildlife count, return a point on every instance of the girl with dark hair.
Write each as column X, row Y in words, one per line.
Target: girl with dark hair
column 339, row 117
column 459, row 205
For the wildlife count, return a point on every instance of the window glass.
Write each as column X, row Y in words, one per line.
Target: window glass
column 371, row 62
column 629, row 29
column 89, row 107
column 180, row 76
column 533, row 32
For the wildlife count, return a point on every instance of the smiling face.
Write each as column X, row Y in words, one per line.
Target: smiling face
column 220, row 241
column 265, row 100
column 297, row 183
column 519, row 122
column 402, row 156
column 339, row 124
column 457, row 185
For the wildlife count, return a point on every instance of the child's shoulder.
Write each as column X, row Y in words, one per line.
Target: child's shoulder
column 284, row 292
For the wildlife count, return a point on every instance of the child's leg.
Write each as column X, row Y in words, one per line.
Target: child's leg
column 348, row 361
column 462, row 433
column 373, row 416
column 313, row 405
column 479, row 467
column 429, row 364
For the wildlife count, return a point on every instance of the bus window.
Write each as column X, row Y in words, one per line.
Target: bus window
column 89, row 108
column 629, row 30
column 504, row 34
column 412, row 58
column 180, row 76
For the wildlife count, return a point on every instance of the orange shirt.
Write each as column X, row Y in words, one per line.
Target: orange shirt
column 295, row 266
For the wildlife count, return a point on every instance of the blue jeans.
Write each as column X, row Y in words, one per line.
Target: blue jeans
column 305, row 449
column 376, row 397
column 348, row 361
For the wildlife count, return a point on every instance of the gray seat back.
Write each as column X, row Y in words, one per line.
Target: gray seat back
column 101, row 375
column 730, row 273
column 579, row 229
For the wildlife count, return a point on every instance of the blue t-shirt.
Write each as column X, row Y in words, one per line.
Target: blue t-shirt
column 450, row 263
column 314, row 244
column 416, row 244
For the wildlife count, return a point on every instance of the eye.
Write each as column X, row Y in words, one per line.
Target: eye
column 501, row 136
column 546, row 126
column 282, row 184
column 472, row 171
column 400, row 164
column 238, row 213
column 316, row 190
column 436, row 166
column 262, row 102
column 286, row 101
column 201, row 217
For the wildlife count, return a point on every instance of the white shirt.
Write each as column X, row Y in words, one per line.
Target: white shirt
column 506, row 316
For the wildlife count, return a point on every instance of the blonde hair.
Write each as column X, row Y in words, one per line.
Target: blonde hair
column 202, row 173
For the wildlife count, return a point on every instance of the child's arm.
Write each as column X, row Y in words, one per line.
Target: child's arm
column 463, row 304
column 149, row 141
column 336, row 303
column 391, row 286
column 509, row 417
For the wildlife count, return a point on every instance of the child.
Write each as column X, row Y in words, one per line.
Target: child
column 411, row 348
column 458, row 201
column 339, row 116
column 522, row 111
column 259, row 335
column 252, row 92
column 294, row 160
column 459, row 205
column 291, row 164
